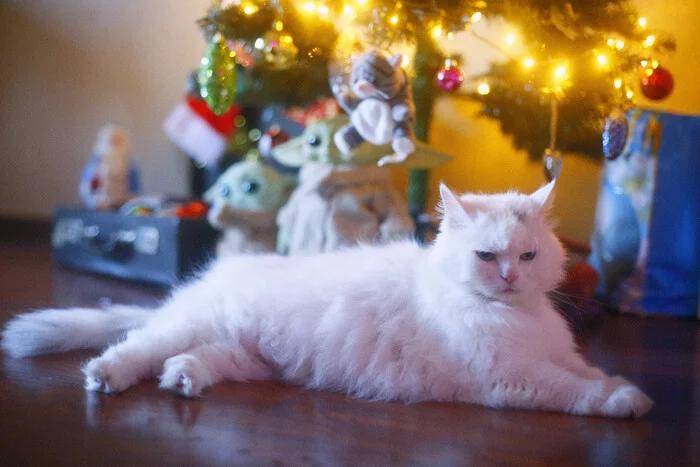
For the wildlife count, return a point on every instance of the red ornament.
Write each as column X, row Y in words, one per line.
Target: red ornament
column 450, row 77
column 657, row 84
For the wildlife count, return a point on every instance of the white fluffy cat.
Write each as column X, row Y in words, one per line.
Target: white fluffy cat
column 464, row 320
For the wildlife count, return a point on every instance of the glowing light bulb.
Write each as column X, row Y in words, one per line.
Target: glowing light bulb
column 611, row 42
column 249, row 9
column 602, row 60
column 649, row 71
column 278, row 25
column 348, row 10
column 361, row 2
column 649, row 41
column 644, row 63
column 437, row 31
column 654, row 64
column 619, row 45
column 394, row 19
column 629, row 94
column 309, row 7
column 322, row 10
column 560, row 72
column 476, row 17
column 510, row 39
column 259, row 43
column 483, row 89
column 529, row 62
column 642, row 22
column 617, row 83
column 405, row 60
column 449, row 35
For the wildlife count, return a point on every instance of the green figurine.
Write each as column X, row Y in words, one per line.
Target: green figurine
column 342, row 198
column 244, row 203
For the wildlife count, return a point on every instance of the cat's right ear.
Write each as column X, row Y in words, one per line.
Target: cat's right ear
column 453, row 212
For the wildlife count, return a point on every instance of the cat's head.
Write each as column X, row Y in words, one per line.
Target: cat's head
column 374, row 75
column 500, row 246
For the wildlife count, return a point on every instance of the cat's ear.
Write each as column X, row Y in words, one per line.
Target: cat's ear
column 453, row 211
column 544, row 196
column 395, row 60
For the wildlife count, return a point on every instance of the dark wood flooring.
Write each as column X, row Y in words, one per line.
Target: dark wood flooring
column 46, row 418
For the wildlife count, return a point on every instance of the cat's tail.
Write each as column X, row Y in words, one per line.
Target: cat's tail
column 55, row 331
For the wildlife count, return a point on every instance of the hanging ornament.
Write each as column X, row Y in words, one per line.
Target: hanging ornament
column 615, row 134
column 218, row 76
column 276, row 50
column 553, row 163
column 450, row 77
column 657, row 83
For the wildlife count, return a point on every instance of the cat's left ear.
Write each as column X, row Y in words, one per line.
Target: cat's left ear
column 395, row 60
column 544, row 196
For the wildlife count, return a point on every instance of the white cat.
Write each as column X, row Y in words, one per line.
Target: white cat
column 464, row 320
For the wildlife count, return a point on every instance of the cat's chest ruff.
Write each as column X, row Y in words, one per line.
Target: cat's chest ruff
column 372, row 119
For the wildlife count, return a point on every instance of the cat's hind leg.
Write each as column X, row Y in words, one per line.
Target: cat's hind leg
column 196, row 369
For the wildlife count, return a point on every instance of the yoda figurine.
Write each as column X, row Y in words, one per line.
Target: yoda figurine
column 343, row 198
column 244, row 202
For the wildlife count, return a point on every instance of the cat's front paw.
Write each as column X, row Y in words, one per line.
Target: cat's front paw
column 185, row 375
column 626, row 401
column 108, row 375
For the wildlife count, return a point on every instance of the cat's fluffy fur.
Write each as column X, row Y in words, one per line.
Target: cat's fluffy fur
column 386, row 322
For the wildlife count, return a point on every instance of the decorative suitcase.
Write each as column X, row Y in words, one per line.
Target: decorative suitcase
column 160, row 250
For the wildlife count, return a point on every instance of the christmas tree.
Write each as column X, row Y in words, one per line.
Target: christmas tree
column 581, row 60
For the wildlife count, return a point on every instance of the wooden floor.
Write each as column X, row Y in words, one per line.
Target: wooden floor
column 46, row 418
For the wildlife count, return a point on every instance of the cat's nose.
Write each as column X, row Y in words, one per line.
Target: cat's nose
column 510, row 277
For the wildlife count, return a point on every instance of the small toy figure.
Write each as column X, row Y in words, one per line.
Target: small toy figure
column 339, row 202
column 380, row 106
column 109, row 179
column 244, row 204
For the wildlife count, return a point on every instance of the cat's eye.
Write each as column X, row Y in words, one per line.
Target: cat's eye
column 529, row 256
column 314, row 140
column 486, row 256
column 250, row 186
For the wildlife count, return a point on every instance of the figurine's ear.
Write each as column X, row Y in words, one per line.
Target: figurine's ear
column 395, row 60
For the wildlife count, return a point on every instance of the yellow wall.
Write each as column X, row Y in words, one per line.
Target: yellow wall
column 486, row 161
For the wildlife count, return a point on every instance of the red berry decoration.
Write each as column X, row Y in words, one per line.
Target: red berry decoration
column 450, row 77
column 658, row 84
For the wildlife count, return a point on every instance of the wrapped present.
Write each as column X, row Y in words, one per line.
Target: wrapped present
column 646, row 240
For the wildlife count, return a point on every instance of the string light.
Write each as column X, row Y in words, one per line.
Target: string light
column 361, row 2
column 348, row 10
column 510, row 39
column 611, row 42
column 394, row 20
column 560, row 73
column 619, row 45
column 649, row 41
column 483, row 89
column 309, row 7
column 259, row 43
column 405, row 60
column 602, row 60
column 529, row 62
column 642, row 22
column 322, row 10
column 476, row 17
column 249, row 9
column 617, row 83
column 437, row 31
column 278, row 25
column 629, row 94
column 644, row 63
column 654, row 64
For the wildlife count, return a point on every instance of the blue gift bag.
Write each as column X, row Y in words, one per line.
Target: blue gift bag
column 646, row 240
